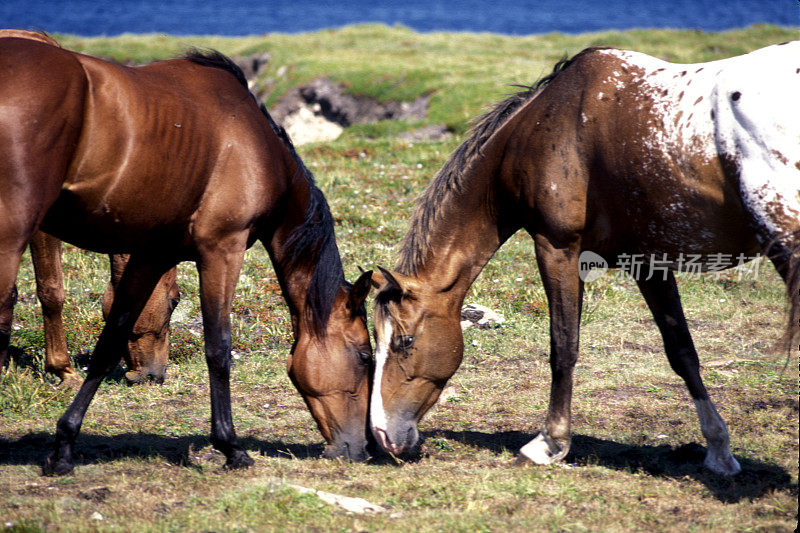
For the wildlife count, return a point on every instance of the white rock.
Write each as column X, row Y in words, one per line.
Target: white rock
column 481, row 316
column 304, row 126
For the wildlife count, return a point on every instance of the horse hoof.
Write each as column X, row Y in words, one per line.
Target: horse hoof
column 56, row 467
column 238, row 460
column 722, row 465
column 543, row 450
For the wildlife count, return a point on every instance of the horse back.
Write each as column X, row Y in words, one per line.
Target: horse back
column 159, row 145
column 624, row 149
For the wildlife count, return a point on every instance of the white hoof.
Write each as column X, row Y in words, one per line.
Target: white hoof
column 722, row 464
column 543, row 450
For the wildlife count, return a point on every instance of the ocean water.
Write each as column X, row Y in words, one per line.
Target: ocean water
column 247, row 17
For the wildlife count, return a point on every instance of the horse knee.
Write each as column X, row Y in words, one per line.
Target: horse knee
column 51, row 297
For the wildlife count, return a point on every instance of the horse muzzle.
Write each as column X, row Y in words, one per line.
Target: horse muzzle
column 138, row 376
column 348, row 447
column 399, row 438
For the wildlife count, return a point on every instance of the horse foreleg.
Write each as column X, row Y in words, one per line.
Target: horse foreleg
column 559, row 270
column 219, row 270
column 46, row 256
column 140, row 276
column 664, row 302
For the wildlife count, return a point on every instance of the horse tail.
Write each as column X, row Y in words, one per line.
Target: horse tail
column 784, row 251
column 793, row 290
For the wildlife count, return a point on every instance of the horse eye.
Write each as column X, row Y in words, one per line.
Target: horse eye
column 403, row 343
column 365, row 356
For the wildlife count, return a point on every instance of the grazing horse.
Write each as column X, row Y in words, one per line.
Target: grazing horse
column 148, row 349
column 616, row 153
column 169, row 162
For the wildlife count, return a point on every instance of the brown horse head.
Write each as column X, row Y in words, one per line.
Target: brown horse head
column 410, row 320
column 331, row 371
column 148, row 346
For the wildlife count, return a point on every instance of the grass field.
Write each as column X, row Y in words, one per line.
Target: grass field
column 144, row 461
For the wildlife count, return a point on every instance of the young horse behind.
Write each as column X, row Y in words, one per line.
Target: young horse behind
column 169, row 162
column 615, row 153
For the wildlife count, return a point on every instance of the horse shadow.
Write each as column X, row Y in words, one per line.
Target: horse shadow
column 756, row 479
column 90, row 448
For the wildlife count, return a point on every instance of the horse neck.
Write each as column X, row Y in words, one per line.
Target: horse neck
column 296, row 273
column 467, row 232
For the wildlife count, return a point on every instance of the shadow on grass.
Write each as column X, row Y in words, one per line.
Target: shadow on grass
column 755, row 480
column 89, row 448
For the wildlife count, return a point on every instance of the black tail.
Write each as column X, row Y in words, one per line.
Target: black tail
column 784, row 251
column 793, row 288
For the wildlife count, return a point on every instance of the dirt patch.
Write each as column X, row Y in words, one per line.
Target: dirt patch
column 97, row 494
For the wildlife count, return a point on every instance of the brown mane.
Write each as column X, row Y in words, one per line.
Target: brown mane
column 451, row 177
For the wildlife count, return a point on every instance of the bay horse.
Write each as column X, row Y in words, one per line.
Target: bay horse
column 148, row 349
column 617, row 153
column 169, row 162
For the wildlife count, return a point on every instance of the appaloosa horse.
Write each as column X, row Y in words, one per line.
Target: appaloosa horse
column 169, row 162
column 148, row 350
column 616, row 153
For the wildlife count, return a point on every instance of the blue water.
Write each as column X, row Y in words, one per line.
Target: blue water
column 247, row 17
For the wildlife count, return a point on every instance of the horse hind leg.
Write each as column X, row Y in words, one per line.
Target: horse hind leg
column 664, row 302
column 46, row 255
column 12, row 244
column 7, row 301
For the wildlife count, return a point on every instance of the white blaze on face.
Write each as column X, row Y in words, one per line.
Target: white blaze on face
column 378, row 421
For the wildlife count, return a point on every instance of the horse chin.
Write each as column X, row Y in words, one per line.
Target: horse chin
column 348, row 449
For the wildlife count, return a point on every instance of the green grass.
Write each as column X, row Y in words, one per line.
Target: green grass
column 144, row 461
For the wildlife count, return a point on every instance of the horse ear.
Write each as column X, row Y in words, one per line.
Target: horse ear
column 386, row 279
column 393, row 283
column 360, row 290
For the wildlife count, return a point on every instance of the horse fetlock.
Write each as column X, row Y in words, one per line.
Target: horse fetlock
column 58, row 463
column 544, row 450
column 238, row 459
column 71, row 380
column 722, row 462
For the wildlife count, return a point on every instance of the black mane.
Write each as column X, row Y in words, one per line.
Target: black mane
column 215, row 59
column 313, row 241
